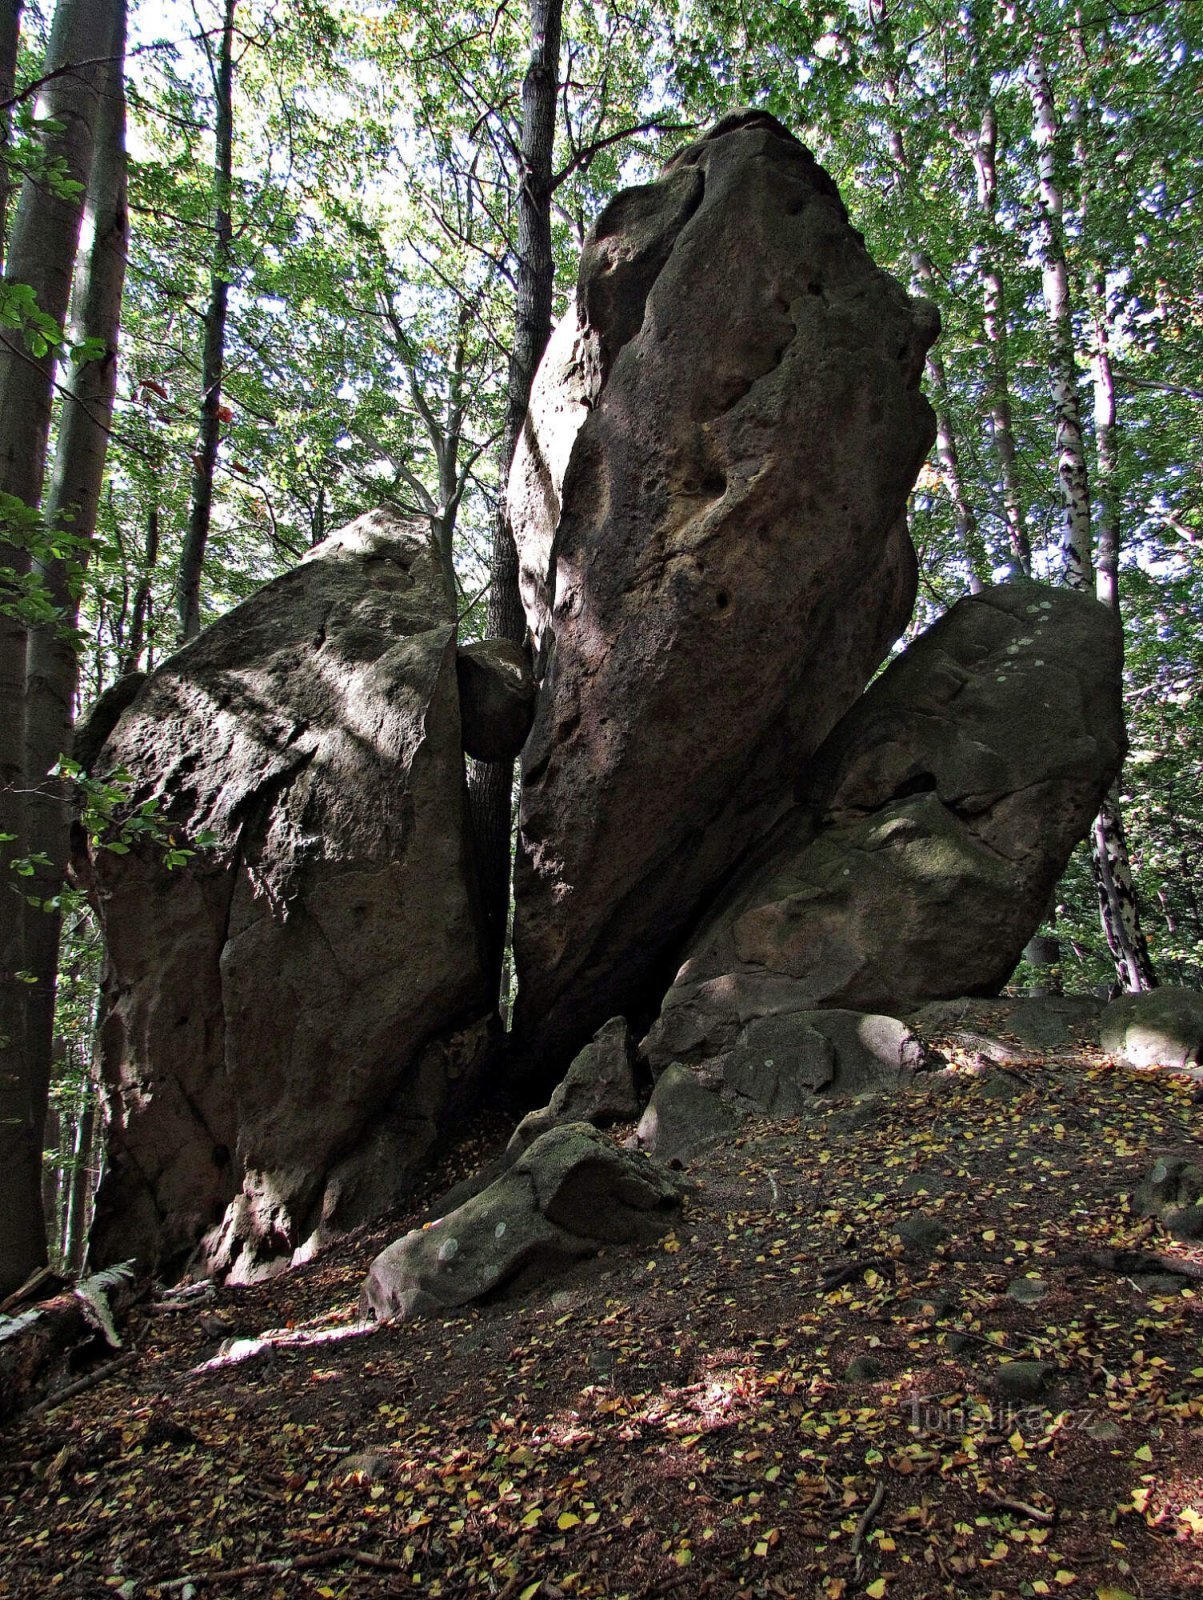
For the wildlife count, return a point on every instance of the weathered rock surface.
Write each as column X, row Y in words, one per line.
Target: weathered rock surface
column 1161, row 1028
column 565, row 1197
column 599, row 1088
column 294, row 1016
column 782, row 1066
column 708, row 502
column 496, row 698
column 933, row 825
column 1013, row 1027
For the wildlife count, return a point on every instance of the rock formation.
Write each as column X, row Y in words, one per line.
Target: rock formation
column 496, row 699
column 708, row 502
column 934, row 823
column 1163, row 1027
column 293, row 1016
column 563, row 1199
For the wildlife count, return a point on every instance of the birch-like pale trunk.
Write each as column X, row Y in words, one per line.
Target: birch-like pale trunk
column 72, row 502
column 1072, row 478
column 1119, row 908
column 42, row 252
column 492, row 782
column 200, row 513
column 994, row 326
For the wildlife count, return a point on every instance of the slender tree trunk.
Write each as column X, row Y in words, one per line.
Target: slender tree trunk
column 140, row 619
column 994, row 317
column 80, row 1181
column 492, row 782
column 10, row 36
column 72, row 503
column 1063, row 378
column 192, row 557
column 1119, row 907
column 42, row 255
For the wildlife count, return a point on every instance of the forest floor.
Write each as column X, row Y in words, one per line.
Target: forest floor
column 702, row 1417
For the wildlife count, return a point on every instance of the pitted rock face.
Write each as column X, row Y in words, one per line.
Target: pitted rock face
column 935, row 821
column 293, row 1016
column 708, row 502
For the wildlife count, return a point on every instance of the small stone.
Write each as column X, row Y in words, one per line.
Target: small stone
column 862, row 1369
column 1104, row 1429
column 1027, row 1290
column 1000, row 1086
column 933, row 1183
column 921, row 1236
column 365, row 1464
column 925, row 1308
column 1158, row 1283
column 1024, row 1380
column 956, row 1342
column 1185, row 1222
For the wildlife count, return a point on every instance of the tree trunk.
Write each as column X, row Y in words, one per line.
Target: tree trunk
column 994, row 317
column 80, row 1185
column 72, row 503
column 1062, row 371
column 10, row 36
column 132, row 654
column 192, row 557
column 492, row 782
column 42, row 255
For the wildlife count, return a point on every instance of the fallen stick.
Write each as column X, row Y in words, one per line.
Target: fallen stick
column 867, row 1517
column 88, row 1381
column 253, row 1569
column 1021, row 1508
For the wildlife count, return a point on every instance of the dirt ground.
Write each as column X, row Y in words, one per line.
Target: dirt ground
column 781, row 1398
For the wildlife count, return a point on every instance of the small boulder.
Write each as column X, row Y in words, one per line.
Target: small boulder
column 565, row 1198
column 1024, row 1380
column 921, row 1236
column 1162, row 1028
column 496, row 698
column 684, row 1116
column 599, row 1088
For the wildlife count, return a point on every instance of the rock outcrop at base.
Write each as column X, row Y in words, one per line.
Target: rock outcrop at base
column 935, row 822
column 292, row 1017
column 565, row 1198
column 708, row 501
column 1163, row 1027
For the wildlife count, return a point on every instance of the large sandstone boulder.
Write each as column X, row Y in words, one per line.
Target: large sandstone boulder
column 934, row 823
column 564, row 1199
column 1161, row 1028
column 709, row 505
column 292, row 1017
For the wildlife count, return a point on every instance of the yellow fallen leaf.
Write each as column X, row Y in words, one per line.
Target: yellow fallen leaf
column 876, row 1589
column 566, row 1520
column 531, row 1590
column 1064, row 1578
column 1143, row 1454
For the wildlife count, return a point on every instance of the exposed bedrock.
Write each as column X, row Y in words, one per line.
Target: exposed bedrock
column 708, row 502
column 292, row 1017
column 935, row 821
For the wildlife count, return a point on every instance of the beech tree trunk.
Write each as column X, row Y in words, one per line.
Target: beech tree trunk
column 492, row 782
column 196, row 537
column 994, row 318
column 42, row 255
column 10, row 35
column 72, row 502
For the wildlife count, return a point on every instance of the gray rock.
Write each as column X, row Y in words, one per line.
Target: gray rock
column 863, row 1369
column 685, row 1117
column 293, row 1017
column 936, row 819
column 1024, row 1380
column 1161, row 1028
column 1174, row 1183
column 1185, row 1222
column 496, row 698
column 1027, row 1291
column 921, row 1236
column 708, row 598
column 564, row 1199
column 1013, row 1028
column 599, row 1087
column 924, row 1308
column 366, row 1464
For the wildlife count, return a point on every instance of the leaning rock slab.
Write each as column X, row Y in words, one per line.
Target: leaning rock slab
column 934, row 823
column 709, row 507
column 496, row 698
column 565, row 1197
column 292, row 1017
column 1161, row 1028
column 599, row 1088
